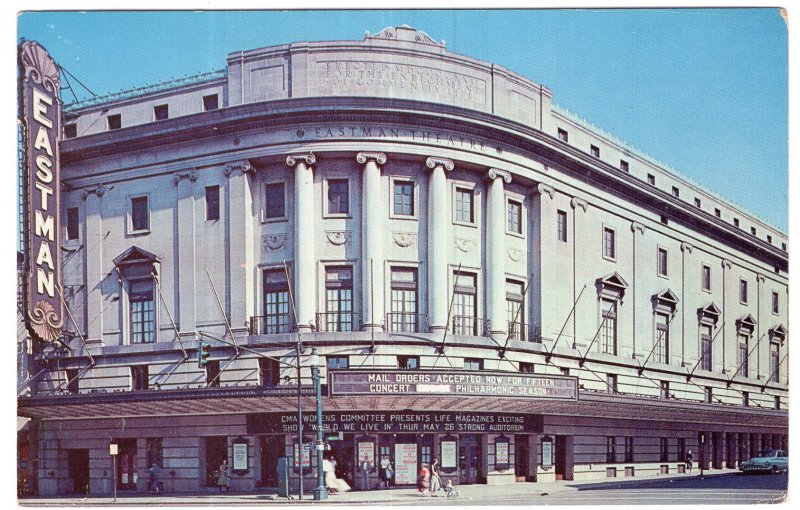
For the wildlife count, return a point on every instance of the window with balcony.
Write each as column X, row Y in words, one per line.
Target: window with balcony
column 403, row 315
column 339, row 314
column 142, row 311
column 774, row 361
column 661, row 351
column 743, row 355
column 465, row 296
column 608, row 328
column 276, row 303
column 515, row 311
column 706, row 339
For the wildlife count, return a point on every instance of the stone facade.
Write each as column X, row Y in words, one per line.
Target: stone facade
column 412, row 196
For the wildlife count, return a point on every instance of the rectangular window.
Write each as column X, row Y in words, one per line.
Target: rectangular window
column 526, row 368
column 73, row 223
column 564, row 370
column 514, row 223
column 736, row 222
column 611, row 449
column 142, row 311
column 403, row 316
column 473, row 364
column 664, row 390
column 623, row 165
column 775, row 303
column 562, row 226
column 464, row 205
column 72, row 381
column 743, row 291
column 742, row 358
column 664, row 449
column 705, row 277
column 774, row 361
column 269, row 372
column 595, row 151
column 408, row 362
column 276, row 303
column 611, row 383
column 338, row 196
column 662, row 262
column 515, row 312
column 629, row 449
column 563, row 135
column 274, row 201
column 662, row 338
column 745, row 398
column 753, row 231
column 609, row 243
column 676, row 192
column 337, row 362
column 608, row 328
column 161, row 112
column 210, row 102
column 212, row 202
column 651, row 179
column 783, row 246
column 339, row 314
column 114, row 121
column 705, row 347
column 708, row 395
column 717, row 212
column 403, row 198
column 140, row 378
column 70, row 130
column 465, row 320
column 140, row 214
column 769, row 239
column 213, row 373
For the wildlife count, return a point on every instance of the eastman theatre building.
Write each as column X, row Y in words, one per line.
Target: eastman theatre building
column 489, row 280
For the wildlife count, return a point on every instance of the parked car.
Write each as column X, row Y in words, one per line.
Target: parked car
column 770, row 461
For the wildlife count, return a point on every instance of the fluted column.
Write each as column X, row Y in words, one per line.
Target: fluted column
column 496, row 251
column 185, row 269
column 372, row 217
column 242, row 259
column 439, row 240
column 94, row 263
column 304, row 252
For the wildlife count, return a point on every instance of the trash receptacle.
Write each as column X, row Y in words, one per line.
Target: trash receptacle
column 283, row 477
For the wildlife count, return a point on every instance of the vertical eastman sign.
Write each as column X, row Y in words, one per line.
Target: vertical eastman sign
column 40, row 114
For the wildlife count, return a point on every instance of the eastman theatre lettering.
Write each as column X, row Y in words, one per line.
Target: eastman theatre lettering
column 408, row 80
column 397, row 422
column 372, row 382
column 395, row 133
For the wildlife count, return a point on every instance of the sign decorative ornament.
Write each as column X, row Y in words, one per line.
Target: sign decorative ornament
column 40, row 115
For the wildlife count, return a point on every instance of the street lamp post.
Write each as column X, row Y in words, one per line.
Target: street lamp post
column 320, row 492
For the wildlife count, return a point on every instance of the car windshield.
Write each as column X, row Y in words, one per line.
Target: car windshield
column 770, row 453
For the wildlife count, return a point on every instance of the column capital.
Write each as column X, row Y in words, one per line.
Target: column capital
column 545, row 189
column 98, row 190
column 687, row 247
column 760, row 278
column 308, row 158
column 726, row 264
column 243, row 166
column 433, row 162
column 638, row 227
column 579, row 202
column 495, row 173
column 191, row 175
column 363, row 157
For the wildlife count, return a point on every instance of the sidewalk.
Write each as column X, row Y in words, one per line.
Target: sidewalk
column 471, row 493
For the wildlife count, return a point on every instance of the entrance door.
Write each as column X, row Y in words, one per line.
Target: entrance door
column 563, row 457
column 521, row 458
column 469, row 459
column 127, row 475
column 78, row 462
column 216, row 452
column 272, row 447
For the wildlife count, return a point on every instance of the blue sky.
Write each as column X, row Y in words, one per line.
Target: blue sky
column 704, row 91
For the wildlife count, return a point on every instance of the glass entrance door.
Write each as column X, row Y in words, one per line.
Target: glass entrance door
column 127, row 475
column 469, row 459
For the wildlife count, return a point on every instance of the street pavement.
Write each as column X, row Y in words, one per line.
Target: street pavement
column 721, row 487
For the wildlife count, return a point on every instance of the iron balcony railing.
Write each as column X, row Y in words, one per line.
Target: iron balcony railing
column 406, row 322
column 337, row 321
column 470, row 325
column 271, row 324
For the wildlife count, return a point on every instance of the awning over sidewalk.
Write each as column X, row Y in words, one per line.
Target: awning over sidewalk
column 239, row 400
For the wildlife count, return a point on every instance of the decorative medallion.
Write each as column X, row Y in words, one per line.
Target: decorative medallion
column 404, row 239
column 338, row 237
column 514, row 254
column 466, row 245
column 274, row 241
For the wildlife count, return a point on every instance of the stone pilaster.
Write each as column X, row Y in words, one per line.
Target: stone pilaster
column 439, row 239
column 185, row 269
column 94, row 263
column 372, row 217
column 304, row 287
column 240, row 244
column 496, row 251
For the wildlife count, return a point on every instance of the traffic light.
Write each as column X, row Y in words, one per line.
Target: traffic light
column 203, row 353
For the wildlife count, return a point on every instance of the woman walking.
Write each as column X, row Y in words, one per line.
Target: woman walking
column 224, row 480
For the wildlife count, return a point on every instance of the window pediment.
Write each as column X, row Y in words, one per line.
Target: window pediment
column 611, row 285
column 778, row 332
column 709, row 313
column 746, row 322
column 666, row 299
column 136, row 262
